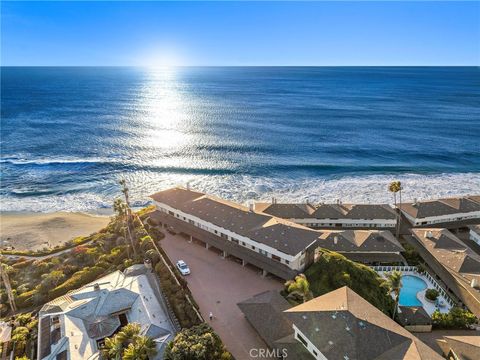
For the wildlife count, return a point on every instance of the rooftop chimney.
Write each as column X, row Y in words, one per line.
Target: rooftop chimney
column 251, row 206
column 96, row 287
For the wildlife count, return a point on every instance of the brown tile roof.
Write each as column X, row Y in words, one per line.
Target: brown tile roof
column 280, row 234
column 359, row 240
column 341, row 324
column 423, row 209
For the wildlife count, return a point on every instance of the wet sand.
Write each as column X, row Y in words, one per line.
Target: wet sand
column 34, row 231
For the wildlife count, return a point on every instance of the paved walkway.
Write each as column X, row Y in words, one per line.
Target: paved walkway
column 217, row 285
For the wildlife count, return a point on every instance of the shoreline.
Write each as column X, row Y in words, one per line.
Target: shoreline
column 35, row 231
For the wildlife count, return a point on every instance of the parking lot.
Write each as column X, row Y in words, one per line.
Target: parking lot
column 218, row 284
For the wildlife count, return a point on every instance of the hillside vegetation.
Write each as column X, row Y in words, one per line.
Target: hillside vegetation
column 333, row 271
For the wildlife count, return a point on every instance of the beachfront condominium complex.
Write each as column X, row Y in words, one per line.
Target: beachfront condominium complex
column 454, row 262
column 356, row 216
column 339, row 325
column 273, row 244
column 451, row 212
column 74, row 326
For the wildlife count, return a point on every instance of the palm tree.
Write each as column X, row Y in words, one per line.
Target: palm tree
column 299, row 287
column 112, row 349
column 128, row 214
column 115, row 346
column 128, row 333
column 394, row 187
column 143, row 348
column 394, row 284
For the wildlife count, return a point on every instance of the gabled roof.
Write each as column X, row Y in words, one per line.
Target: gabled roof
column 328, row 211
column 280, row 234
column 341, row 324
column 286, row 211
column 264, row 312
column 431, row 208
column 465, row 347
column 450, row 251
column 413, row 315
column 360, row 240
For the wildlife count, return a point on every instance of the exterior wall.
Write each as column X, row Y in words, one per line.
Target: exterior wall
column 443, row 218
column 347, row 223
column 474, row 236
column 294, row 262
column 419, row 328
column 310, row 347
column 231, row 248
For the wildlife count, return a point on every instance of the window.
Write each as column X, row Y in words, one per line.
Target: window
column 287, row 262
column 171, row 213
column 253, row 247
column 276, row 258
column 302, row 340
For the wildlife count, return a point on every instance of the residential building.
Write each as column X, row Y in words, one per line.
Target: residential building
column 325, row 216
column 475, row 233
column 414, row 318
column 272, row 244
column 457, row 265
column 336, row 326
column 460, row 347
column 374, row 247
column 75, row 325
column 451, row 212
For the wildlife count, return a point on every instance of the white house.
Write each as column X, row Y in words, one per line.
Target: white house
column 75, row 325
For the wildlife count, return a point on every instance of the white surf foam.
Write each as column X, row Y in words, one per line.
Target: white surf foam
column 243, row 188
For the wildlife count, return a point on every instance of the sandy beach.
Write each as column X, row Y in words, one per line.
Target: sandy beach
column 33, row 231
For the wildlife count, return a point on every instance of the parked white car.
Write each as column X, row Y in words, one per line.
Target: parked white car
column 183, row 267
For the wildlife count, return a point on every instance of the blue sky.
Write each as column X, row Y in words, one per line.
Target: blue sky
column 236, row 33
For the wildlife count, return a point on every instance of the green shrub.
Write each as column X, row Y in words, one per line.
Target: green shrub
column 199, row 342
column 78, row 279
column 333, row 271
column 431, row 294
column 456, row 318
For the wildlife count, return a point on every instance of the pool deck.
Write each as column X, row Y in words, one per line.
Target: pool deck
column 429, row 306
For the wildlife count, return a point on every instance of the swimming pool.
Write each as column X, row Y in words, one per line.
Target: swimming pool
column 411, row 285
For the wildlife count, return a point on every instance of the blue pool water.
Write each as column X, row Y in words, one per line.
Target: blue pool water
column 411, row 285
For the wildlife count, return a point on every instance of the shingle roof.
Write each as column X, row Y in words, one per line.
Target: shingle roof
column 430, row 208
column 264, row 311
column 341, row 324
column 285, row 236
column 413, row 315
column 359, row 240
column 450, row 251
column 328, row 211
column 465, row 347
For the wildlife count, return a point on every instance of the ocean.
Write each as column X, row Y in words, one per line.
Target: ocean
column 68, row 134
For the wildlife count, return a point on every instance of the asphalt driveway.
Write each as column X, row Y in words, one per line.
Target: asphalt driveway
column 217, row 285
